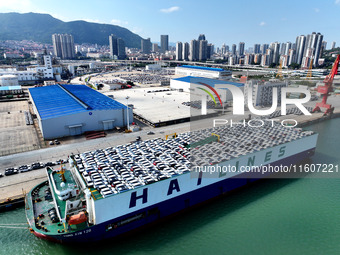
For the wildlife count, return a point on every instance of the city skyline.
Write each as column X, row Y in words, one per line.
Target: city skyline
column 221, row 23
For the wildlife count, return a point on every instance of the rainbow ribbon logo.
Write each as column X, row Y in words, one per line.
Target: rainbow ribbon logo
column 209, row 93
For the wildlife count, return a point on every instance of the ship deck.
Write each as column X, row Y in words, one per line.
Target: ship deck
column 110, row 171
column 42, row 200
column 61, row 205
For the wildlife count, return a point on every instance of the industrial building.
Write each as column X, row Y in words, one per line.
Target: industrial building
column 32, row 73
column 153, row 67
column 9, row 80
column 64, row 110
column 201, row 71
column 11, row 90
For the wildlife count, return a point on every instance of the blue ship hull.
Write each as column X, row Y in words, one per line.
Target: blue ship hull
column 164, row 209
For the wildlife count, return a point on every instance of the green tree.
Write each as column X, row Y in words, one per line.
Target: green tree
column 294, row 66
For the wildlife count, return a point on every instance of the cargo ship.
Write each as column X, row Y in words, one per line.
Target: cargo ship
column 109, row 192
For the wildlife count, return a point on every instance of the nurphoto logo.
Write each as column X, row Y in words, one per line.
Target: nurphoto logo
column 239, row 99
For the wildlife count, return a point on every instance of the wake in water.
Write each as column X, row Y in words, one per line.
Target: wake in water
column 13, row 225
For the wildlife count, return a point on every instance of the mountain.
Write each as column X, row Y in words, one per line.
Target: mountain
column 40, row 27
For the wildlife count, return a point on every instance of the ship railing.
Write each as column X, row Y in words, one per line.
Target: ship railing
column 52, row 184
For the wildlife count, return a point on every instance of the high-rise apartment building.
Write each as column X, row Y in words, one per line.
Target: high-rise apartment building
column 146, row 46
column 308, row 47
column 179, row 51
column 185, row 53
column 257, row 58
column 241, row 48
column 155, row 47
column 164, row 43
column 249, row 59
column 318, row 49
column 257, row 48
column 224, row 49
column 291, row 56
column 333, row 45
column 233, row 49
column 288, row 46
column 203, row 48
column 300, row 46
column 121, row 48
column 201, row 37
column 267, row 59
column 117, row 47
column 264, row 48
column 210, row 50
column 194, row 50
column 276, row 53
column 282, row 48
column 284, row 60
column 63, row 46
column 113, row 46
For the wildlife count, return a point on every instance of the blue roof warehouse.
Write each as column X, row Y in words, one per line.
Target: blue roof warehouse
column 64, row 110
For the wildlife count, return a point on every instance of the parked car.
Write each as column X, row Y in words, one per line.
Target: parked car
column 51, row 143
column 24, row 168
column 37, row 165
column 1, row 175
column 138, row 138
column 11, row 171
column 50, row 163
column 56, row 142
column 150, row 133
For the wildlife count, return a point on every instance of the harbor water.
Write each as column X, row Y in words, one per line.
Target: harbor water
column 276, row 216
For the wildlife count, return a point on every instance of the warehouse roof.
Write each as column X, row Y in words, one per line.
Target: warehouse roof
column 92, row 98
column 211, row 82
column 60, row 100
column 204, row 68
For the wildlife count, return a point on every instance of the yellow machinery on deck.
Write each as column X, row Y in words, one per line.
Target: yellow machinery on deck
column 174, row 135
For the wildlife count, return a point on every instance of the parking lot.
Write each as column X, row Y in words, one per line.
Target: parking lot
column 15, row 135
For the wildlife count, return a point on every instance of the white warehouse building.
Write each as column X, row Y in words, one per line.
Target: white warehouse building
column 66, row 110
column 9, row 80
column 32, row 73
column 201, row 71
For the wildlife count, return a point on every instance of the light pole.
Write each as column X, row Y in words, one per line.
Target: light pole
column 127, row 112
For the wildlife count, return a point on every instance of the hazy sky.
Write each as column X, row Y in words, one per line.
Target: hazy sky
column 222, row 21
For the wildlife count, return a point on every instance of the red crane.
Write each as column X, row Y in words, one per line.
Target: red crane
column 324, row 90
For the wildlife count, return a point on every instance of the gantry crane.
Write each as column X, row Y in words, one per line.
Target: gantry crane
column 324, row 90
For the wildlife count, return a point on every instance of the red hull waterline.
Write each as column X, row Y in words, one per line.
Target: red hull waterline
column 46, row 237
